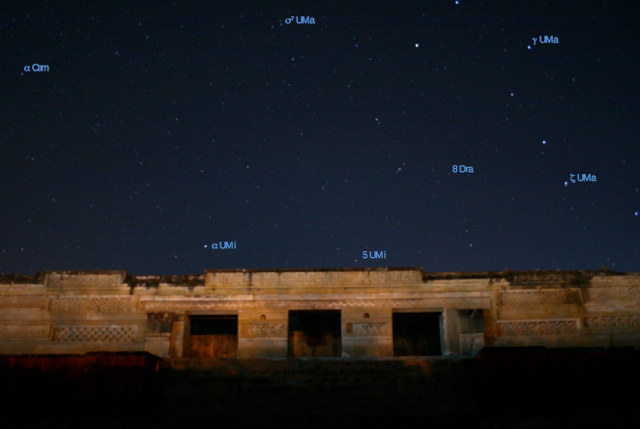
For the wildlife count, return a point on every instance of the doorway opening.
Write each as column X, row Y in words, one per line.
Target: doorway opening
column 213, row 336
column 417, row 334
column 315, row 333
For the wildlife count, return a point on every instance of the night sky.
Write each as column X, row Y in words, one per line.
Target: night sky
column 161, row 128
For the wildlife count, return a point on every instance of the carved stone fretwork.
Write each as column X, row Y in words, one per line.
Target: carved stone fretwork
column 215, row 279
column 92, row 305
column 193, row 305
column 23, row 301
column 110, row 333
column 612, row 321
column 24, row 331
column 96, row 279
column 538, row 327
column 553, row 297
column 263, row 330
column 613, row 293
column 380, row 328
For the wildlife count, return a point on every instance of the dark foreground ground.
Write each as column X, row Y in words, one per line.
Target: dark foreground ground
column 498, row 388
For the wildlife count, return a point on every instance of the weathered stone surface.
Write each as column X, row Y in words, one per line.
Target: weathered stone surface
column 108, row 304
column 23, row 301
column 87, row 279
column 62, row 312
column 24, row 331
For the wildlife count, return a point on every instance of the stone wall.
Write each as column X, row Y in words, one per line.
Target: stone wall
column 80, row 312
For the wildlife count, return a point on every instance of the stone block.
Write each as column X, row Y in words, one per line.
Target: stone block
column 538, row 327
column 263, row 323
column 93, row 304
column 262, row 347
column 451, row 331
column 367, row 347
column 349, row 277
column 23, row 301
column 86, row 279
column 524, row 298
column 613, row 293
column 176, row 345
column 265, row 280
column 158, row 345
column 24, row 331
column 94, row 333
column 224, row 280
column 82, row 348
column 172, row 290
column 541, row 312
column 472, row 342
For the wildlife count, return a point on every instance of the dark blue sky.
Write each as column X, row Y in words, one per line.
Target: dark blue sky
column 163, row 127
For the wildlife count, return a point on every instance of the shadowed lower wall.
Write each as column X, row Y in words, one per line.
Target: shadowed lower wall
column 509, row 387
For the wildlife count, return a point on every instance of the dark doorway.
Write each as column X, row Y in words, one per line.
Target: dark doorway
column 213, row 336
column 315, row 333
column 416, row 334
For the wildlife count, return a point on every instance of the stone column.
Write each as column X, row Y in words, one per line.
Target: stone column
column 176, row 349
column 451, row 331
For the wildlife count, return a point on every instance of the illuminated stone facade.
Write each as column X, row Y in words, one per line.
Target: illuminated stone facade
column 79, row 312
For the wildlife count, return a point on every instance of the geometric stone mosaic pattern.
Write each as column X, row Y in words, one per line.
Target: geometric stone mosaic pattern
column 338, row 304
column 371, row 328
column 23, row 301
column 613, row 293
column 612, row 321
column 264, row 330
column 111, row 333
column 305, row 279
column 92, row 305
column 61, row 280
column 540, row 298
column 24, row 331
column 526, row 328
